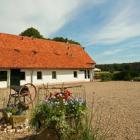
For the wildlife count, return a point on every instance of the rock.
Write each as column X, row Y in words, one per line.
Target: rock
column 5, row 125
column 9, row 127
column 27, row 128
column 5, row 129
column 19, row 130
column 11, row 130
column 2, row 129
column 19, row 127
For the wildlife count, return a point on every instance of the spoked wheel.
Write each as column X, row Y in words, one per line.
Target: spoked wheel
column 27, row 94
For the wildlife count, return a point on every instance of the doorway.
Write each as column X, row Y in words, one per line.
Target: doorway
column 15, row 77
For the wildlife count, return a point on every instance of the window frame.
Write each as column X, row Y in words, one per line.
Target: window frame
column 39, row 75
column 75, row 74
column 54, row 75
column 3, row 78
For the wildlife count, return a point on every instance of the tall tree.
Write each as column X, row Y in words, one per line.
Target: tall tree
column 31, row 32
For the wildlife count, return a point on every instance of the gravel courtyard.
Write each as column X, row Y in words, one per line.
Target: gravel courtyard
column 116, row 108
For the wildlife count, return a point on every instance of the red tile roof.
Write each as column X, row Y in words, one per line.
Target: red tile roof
column 26, row 52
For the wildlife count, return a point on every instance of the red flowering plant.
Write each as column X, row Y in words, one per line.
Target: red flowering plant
column 66, row 95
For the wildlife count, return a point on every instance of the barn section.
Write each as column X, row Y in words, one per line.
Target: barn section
column 39, row 61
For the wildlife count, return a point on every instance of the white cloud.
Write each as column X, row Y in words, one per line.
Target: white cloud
column 124, row 24
column 46, row 15
column 112, row 52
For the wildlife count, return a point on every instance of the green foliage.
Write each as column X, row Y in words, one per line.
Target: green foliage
column 56, row 112
column 18, row 109
column 13, row 111
column 132, row 67
column 31, row 32
column 106, row 76
column 125, row 71
column 70, row 127
column 127, row 76
column 61, row 39
column 85, row 131
column 136, row 79
column 75, row 109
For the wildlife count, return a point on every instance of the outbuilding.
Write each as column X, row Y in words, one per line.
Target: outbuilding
column 41, row 61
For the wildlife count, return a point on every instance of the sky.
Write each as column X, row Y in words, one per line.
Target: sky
column 108, row 29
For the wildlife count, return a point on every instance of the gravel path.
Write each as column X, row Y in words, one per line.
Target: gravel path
column 118, row 104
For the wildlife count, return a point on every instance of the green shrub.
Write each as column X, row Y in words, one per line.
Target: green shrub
column 127, row 76
column 60, row 112
column 136, row 79
column 85, row 131
column 106, row 76
column 65, row 115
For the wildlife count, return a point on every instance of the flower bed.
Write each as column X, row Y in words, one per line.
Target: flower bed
column 59, row 111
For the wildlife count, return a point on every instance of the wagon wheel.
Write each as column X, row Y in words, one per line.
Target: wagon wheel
column 27, row 94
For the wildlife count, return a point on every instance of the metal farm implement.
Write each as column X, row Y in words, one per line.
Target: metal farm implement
column 22, row 94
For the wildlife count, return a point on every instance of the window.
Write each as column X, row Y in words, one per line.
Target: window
column 53, row 74
column 22, row 75
column 75, row 74
column 3, row 75
column 88, row 74
column 39, row 75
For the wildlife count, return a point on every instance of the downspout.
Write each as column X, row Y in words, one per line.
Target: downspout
column 9, row 78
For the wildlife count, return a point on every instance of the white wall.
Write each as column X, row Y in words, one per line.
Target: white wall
column 27, row 77
column 4, row 84
column 61, row 76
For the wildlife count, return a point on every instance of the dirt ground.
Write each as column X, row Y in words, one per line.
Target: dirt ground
column 116, row 108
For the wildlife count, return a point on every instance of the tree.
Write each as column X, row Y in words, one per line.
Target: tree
column 61, row 39
column 31, row 32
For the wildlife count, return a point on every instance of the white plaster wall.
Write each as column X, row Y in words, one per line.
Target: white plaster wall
column 4, row 84
column 27, row 77
column 61, row 76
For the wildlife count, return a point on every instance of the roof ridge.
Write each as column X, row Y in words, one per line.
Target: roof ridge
column 45, row 39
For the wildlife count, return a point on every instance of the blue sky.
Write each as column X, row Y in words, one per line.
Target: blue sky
column 108, row 29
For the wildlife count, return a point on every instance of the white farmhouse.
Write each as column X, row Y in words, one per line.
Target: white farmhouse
column 39, row 61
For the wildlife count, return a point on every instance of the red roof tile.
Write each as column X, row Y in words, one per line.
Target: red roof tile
column 26, row 52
